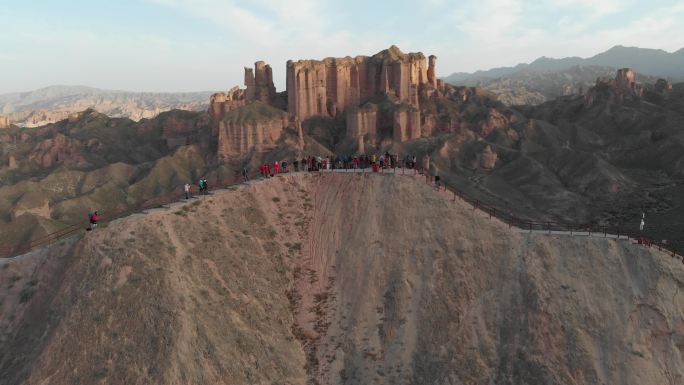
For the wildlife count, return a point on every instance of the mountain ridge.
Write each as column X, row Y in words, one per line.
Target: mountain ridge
column 53, row 103
column 611, row 58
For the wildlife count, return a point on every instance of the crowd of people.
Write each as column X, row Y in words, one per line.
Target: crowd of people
column 332, row 162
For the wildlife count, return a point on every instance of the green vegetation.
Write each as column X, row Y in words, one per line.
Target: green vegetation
column 26, row 294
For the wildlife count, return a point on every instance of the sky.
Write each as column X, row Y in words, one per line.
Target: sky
column 203, row 45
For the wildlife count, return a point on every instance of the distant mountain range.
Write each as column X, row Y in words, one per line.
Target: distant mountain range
column 546, row 78
column 50, row 104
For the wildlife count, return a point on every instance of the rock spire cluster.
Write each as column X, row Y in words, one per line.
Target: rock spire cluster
column 328, row 88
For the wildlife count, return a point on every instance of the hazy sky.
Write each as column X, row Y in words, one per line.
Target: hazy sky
column 191, row 45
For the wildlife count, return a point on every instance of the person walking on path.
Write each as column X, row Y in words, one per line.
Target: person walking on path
column 245, row 178
column 276, row 167
column 202, row 186
column 186, row 188
column 93, row 218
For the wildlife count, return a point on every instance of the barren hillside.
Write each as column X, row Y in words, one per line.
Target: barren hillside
column 338, row 279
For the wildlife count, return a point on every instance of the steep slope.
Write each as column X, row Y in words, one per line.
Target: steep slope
column 54, row 175
column 339, row 279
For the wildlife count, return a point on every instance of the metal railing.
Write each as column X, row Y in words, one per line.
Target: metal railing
column 505, row 216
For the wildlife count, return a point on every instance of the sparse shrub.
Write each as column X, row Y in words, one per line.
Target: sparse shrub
column 100, row 373
column 135, row 279
column 26, row 294
column 276, row 199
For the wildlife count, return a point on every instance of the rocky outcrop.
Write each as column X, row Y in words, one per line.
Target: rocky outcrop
column 488, row 158
column 222, row 102
column 4, row 121
column 60, row 149
column 254, row 127
column 623, row 86
column 12, row 163
column 431, row 77
column 624, row 80
column 314, row 85
column 259, row 87
column 495, row 121
column 259, row 83
column 362, row 121
column 406, row 125
column 662, row 87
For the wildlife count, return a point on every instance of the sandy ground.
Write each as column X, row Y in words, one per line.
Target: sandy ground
column 338, row 279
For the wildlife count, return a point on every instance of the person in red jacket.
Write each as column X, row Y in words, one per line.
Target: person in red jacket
column 276, row 167
column 93, row 218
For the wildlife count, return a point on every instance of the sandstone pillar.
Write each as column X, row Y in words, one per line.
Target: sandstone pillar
column 431, row 77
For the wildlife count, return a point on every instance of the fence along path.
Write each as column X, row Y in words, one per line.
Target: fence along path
column 450, row 192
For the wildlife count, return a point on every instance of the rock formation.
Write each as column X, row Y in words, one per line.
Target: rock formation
column 624, row 85
column 222, row 102
column 362, row 121
column 60, row 149
column 624, row 79
column 12, row 163
column 432, row 78
column 488, row 158
column 259, row 83
column 662, row 87
column 315, row 85
column 495, row 121
column 254, row 127
column 259, row 87
column 406, row 125
column 4, row 121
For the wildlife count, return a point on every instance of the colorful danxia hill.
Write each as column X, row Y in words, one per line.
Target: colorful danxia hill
column 332, row 88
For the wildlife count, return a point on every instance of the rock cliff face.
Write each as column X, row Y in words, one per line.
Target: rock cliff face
column 313, row 86
column 432, row 78
column 4, row 121
column 406, row 125
column 259, row 87
column 495, row 121
column 222, row 102
column 362, row 121
column 254, row 127
column 259, row 83
column 60, row 149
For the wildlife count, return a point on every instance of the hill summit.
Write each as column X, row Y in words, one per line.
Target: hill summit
column 338, row 278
